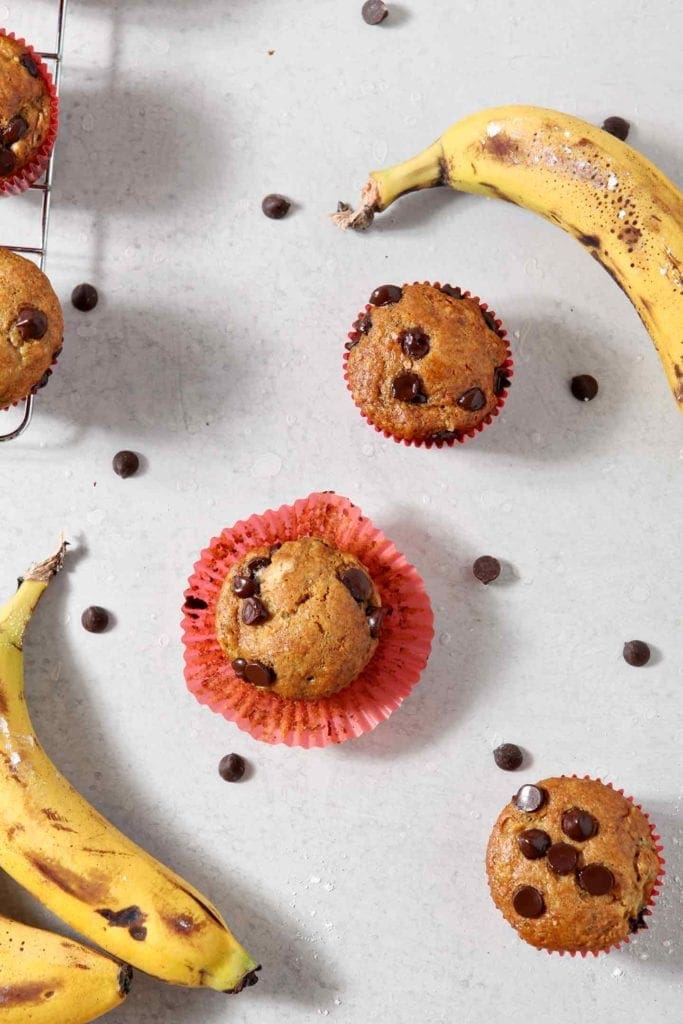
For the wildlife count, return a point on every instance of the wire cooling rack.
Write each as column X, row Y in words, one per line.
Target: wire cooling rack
column 45, row 187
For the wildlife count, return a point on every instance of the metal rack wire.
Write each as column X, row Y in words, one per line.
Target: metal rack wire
column 44, row 187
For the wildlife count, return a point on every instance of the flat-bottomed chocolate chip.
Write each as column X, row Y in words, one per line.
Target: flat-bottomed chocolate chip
column 31, row 323
column 95, row 619
column 239, row 665
column 529, row 798
column 596, row 879
column 357, row 583
column 258, row 674
column 486, row 569
column 584, row 387
column 455, row 293
column 501, row 381
column 374, row 12
column 414, row 343
column 253, row 611
column 232, row 767
column 8, row 162
column 375, row 619
column 29, row 63
column 446, row 435
column 533, row 843
column 386, row 295
column 472, row 400
column 508, row 756
column 636, row 923
column 579, row 825
column 408, row 387
column 636, row 653
column 617, row 126
column 489, row 321
column 125, row 464
column 275, row 206
column 528, row 902
column 15, row 130
column 257, row 564
column 195, row 602
column 244, row 586
column 562, row 858
column 84, row 297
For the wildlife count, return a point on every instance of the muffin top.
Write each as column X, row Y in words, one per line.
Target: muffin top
column 301, row 619
column 25, row 107
column 572, row 865
column 31, row 327
column 425, row 363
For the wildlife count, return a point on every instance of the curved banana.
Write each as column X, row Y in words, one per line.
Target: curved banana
column 49, row 979
column 607, row 195
column 81, row 867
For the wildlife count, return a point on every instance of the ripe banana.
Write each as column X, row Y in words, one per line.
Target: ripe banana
column 608, row 196
column 48, row 979
column 76, row 863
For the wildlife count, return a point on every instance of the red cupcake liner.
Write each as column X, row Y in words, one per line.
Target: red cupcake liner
column 395, row 668
column 508, row 364
column 35, row 168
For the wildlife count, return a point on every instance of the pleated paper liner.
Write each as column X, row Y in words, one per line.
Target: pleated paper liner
column 44, row 380
column 401, row 655
column 463, row 435
column 27, row 175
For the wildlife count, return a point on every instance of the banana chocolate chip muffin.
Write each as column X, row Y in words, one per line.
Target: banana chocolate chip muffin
column 426, row 363
column 27, row 113
column 31, row 327
column 572, row 865
column 301, row 619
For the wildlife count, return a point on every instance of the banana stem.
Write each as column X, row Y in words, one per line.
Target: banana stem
column 16, row 613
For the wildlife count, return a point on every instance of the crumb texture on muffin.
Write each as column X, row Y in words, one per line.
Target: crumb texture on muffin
column 575, row 873
column 25, row 107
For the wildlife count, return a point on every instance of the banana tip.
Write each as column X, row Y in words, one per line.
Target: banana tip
column 42, row 572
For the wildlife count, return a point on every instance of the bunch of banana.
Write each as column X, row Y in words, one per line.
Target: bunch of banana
column 81, row 867
column 47, row 979
column 608, row 196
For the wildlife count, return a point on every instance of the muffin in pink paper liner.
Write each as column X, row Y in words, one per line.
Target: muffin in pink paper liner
column 427, row 364
column 29, row 115
column 574, row 865
column 402, row 651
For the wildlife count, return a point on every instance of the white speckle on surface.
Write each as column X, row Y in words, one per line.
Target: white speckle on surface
column 444, row 639
column 617, row 972
column 328, row 886
column 96, row 516
column 379, row 151
column 87, row 122
column 612, row 183
column 314, row 880
column 163, row 640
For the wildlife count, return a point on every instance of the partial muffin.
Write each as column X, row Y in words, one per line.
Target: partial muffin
column 28, row 113
column 31, row 327
column 427, row 364
column 301, row 619
column 572, row 865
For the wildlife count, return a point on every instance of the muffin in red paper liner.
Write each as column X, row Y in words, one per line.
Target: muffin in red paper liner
column 427, row 364
column 29, row 115
column 403, row 647
column 574, row 865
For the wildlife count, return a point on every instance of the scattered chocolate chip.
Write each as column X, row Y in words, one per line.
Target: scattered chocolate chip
column 596, row 879
column 258, row 674
column 95, row 619
column 386, row 295
column 195, row 602
column 8, row 162
column 562, row 858
column 636, row 923
column 472, row 400
column 239, row 665
column 257, row 564
column 578, row 825
column 636, row 653
column 84, row 297
column 486, row 569
column 533, row 843
column 455, row 293
column 15, row 130
column 508, row 756
column 489, row 321
column 29, row 63
column 501, row 381
column 31, row 323
column 529, row 798
column 584, row 387
column 357, row 583
column 407, row 387
column 414, row 342
column 445, row 435
column 125, row 464
column 616, row 126
column 232, row 767
column 253, row 611
column 528, row 902
column 374, row 12
column 244, row 586
column 275, row 206
column 376, row 617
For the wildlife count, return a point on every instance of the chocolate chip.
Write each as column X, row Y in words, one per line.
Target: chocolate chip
column 275, row 206
column 562, row 858
column 636, row 653
column 258, row 674
column 486, row 569
column 84, row 297
column 374, row 12
column 472, row 400
column 15, row 130
column 351, row 343
column 528, row 902
column 376, row 617
column 43, row 380
column 578, row 824
column 533, row 843
column 125, row 464
column 445, row 435
column 508, row 756
column 529, row 798
column 489, row 321
column 28, row 62
column 244, row 586
column 363, row 324
column 253, row 611
column 232, row 767
column 501, row 381
column 407, row 387
column 636, row 923
column 31, row 323
column 239, row 665
column 584, row 387
column 596, row 879
column 414, row 342
column 8, row 162
column 95, row 619
column 455, row 293
column 357, row 583
column 616, row 126
column 257, row 564
column 386, row 295
column 195, row 602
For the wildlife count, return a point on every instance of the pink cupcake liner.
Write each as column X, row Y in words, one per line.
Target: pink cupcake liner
column 508, row 364
column 35, row 168
column 395, row 668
